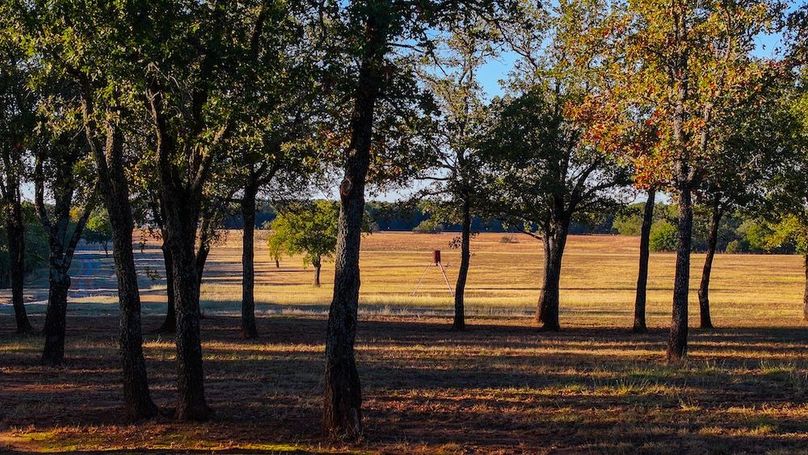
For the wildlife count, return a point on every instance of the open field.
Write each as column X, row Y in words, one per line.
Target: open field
column 500, row 387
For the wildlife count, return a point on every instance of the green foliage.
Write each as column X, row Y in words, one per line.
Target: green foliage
column 36, row 245
column 310, row 229
column 98, row 229
column 664, row 236
column 629, row 220
column 429, row 226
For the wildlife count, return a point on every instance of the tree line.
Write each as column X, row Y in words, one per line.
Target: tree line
column 173, row 111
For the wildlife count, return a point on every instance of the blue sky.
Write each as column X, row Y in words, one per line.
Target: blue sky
column 768, row 45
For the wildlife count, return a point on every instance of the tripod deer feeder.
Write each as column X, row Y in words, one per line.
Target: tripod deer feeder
column 436, row 259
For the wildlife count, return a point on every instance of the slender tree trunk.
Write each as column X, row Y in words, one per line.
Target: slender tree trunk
column 554, row 240
column 15, row 228
column 248, row 328
column 115, row 190
column 170, row 322
column 342, row 407
column 463, row 272
column 642, row 275
column 317, row 266
column 704, row 287
column 56, row 315
column 805, row 294
column 677, row 341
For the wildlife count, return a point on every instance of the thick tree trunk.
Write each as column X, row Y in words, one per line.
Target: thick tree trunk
column 805, row 294
column 554, row 241
column 317, row 263
column 677, row 340
column 342, row 407
column 459, row 322
column 704, row 287
column 55, row 316
column 642, row 275
column 248, row 328
column 15, row 228
column 170, row 322
column 191, row 403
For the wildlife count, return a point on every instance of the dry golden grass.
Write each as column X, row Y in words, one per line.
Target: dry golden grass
column 501, row 387
column 598, row 280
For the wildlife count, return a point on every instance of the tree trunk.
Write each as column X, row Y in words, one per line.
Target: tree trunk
column 317, row 266
column 642, row 275
column 170, row 322
column 554, row 240
column 191, row 404
column 115, row 192
column 459, row 322
column 55, row 316
column 342, row 407
column 805, row 294
column 704, row 287
column 15, row 228
column 677, row 340
column 248, row 328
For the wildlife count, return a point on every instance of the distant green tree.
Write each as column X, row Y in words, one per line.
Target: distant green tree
column 310, row 230
column 664, row 236
column 99, row 230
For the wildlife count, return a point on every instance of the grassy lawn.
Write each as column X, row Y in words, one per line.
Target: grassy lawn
column 500, row 387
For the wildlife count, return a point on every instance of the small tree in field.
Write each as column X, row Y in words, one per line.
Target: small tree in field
column 310, row 231
column 99, row 230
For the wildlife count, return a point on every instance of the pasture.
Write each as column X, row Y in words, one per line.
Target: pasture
column 500, row 387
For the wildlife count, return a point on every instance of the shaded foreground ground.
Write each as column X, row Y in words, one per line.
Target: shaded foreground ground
column 501, row 387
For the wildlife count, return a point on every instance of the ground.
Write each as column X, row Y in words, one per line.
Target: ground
column 500, row 387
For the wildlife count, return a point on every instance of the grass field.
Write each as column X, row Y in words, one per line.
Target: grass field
column 499, row 387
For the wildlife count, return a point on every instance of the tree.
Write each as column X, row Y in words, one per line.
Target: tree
column 276, row 144
column 62, row 165
column 547, row 173
column 92, row 72
column 787, row 190
column 372, row 43
column 99, row 230
column 310, row 230
column 193, row 90
column 689, row 60
column 748, row 146
column 457, row 185
column 17, row 121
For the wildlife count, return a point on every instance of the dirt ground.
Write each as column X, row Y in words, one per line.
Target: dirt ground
column 501, row 387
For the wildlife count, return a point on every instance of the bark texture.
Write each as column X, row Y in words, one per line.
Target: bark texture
column 317, row 264
column 15, row 229
column 459, row 322
column 805, row 294
column 704, row 287
column 170, row 322
column 248, row 327
column 61, row 245
column 114, row 187
column 342, row 407
column 182, row 205
column 554, row 240
column 642, row 276
column 677, row 340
